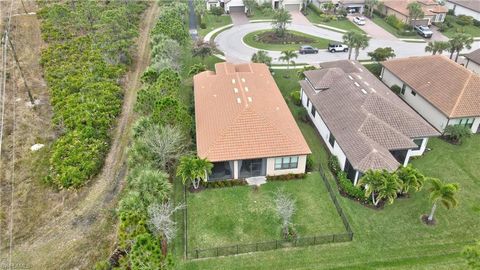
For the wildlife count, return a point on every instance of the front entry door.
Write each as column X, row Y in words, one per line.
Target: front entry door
column 252, row 167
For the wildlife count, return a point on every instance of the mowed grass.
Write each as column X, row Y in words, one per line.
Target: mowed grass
column 241, row 215
column 346, row 24
column 457, row 28
column 251, row 40
column 392, row 238
column 213, row 22
column 392, row 30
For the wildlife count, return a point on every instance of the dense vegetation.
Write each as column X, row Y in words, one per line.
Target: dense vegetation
column 89, row 45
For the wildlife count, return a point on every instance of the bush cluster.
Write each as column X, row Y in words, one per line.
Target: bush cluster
column 225, row 183
column 88, row 50
column 347, row 186
column 286, row 177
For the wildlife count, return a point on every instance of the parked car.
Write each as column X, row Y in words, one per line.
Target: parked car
column 359, row 20
column 424, row 31
column 337, row 47
column 307, row 49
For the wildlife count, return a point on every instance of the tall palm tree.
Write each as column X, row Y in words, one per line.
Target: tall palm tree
column 410, row 178
column 349, row 40
column 458, row 42
column 415, row 11
column 443, row 193
column 361, row 42
column 261, row 57
column 355, row 40
column 437, row 47
column 372, row 181
column 194, row 169
column 391, row 184
column 371, row 6
column 288, row 56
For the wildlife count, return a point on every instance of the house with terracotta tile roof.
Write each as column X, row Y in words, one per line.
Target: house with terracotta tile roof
column 361, row 121
column 473, row 61
column 442, row 91
column 243, row 125
column 433, row 12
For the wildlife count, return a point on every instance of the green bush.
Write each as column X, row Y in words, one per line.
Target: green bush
column 203, row 25
column 315, row 9
column 310, row 164
column 171, row 25
column 476, row 23
column 457, row 133
column 347, row 186
column 375, row 68
column 217, row 11
column 224, row 183
column 295, row 96
column 396, row 89
column 285, row 177
column 334, row 165
column 464, row 20
column 393, row 21
column 146, row 252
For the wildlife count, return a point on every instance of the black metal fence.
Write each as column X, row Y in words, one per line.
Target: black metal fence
column 276, row 244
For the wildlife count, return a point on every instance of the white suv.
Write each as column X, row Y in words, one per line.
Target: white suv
column 337, row 47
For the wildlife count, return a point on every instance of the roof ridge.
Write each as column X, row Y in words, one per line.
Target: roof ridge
column 461, row 94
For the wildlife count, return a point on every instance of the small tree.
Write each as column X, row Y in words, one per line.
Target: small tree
column 371, row 6
column 250, row 5
column 329, row 7
column 301, row 74
column 414, row 12
column 437, row 47
column 381, row 185
column 457, row 133
column 161, row 222
column 285, row 206
column 388, row 191
column 444, row 193
column 200, row 8
column 410, row 178
column 197, row 68
column 288, row 56
column 194, row 169
column 262, row 57
column 203, row 49
column 472, row 255
column 382, row 54
column 217, row 11
column 281, row 18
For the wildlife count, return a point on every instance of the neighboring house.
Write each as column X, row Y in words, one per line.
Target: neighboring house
column 473, row 61
column 442, row 91
column 243, row 124
column 239, row 6
column 361, row 121
column 465, row 7
column 353, row 6
column 433, row 11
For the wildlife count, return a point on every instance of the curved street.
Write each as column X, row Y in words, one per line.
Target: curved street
column 230, row 42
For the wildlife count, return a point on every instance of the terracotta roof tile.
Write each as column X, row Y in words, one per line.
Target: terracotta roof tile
column 241, row 114
column 448, row 86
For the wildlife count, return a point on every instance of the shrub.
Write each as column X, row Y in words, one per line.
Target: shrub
column 476, row 23
column 457, row 133
column 451, row 12
column 203, row 25
column 464, row 20
column 347, row 186
column 224, row 183
column 374, row 68
column 171, row 25
column 315, row 9
column 393, row 21
column 309, row 164
column 301, row 114
column 146, row 252
column 396, row 89
column 285, row 177
column 217, row 11
column 334, row 165
column 295, row 96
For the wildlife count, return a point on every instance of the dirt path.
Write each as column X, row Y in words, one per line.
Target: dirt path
column 81, row 228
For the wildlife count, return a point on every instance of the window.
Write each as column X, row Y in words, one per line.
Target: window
column 313, row 111
column 404, row 86
column 308, row 102
column 418, row 142
column 414, row 93
column 467, row 122
column 331, row 140
column 283, row 163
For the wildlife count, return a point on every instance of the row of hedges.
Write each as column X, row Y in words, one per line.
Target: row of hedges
column 402, row 28
column 160, row 137
column 457, row 21
column 346, row 186
column 225, row 183
column 88, row 51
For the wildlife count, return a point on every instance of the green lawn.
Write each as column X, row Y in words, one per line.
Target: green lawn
column 346, row 24
column 456, row 28
column 236, row 215
column 213, row 22
column 261, row 14
column 392, row 238
column 251, row 40
column 382, row 23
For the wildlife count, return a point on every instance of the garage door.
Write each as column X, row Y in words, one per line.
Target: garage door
column 292, row 7
column 237, row 9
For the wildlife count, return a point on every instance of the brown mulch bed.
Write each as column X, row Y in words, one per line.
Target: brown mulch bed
column 427, row 222
column 289, row 38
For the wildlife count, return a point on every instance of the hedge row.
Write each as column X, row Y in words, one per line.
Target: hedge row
column 89, row 44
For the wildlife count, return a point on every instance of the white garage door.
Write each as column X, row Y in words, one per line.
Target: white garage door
column 292, row 7
column 237, row 9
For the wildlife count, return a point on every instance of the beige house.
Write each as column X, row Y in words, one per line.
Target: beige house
column 442, row 91
column 243, row 124
column 465, row 7
column 239, row 6
column 433, row 11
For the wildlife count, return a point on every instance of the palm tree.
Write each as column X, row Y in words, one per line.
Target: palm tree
column 194, row 169
column 355, row 40
column 458, row 42
column 391, row 184
column 437, row 47
column 415, row 11
column 410, row 178
column 361, row 42
column 281, row 18
column 371, row 5
column 288, row 56
column 444, row 193
column 372, row 181
column 349, row 40
column 261, row 57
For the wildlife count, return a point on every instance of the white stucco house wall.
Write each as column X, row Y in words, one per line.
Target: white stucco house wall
column 472, row 61
column 239, row 6
column 442, row 91
column 465, row 7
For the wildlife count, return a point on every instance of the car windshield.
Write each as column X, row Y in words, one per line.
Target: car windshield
column 361, row 19
column 424, row 28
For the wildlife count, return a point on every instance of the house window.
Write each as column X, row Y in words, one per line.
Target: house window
column 313, row 111
column 418, row 142
column 414, row 93
column 331, row 140
column 284, row 163
column 404, row 86
column 467, row 122
column 308, row 102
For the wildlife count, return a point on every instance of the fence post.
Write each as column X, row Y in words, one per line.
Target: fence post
column 256, row 247
column 314, row 240
column 276, row 244
column 217, row 251
column 333, row 238
column 237, row 248
column 196, row 252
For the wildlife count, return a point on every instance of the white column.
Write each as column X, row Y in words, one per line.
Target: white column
column 356, row 178
column 235, row 169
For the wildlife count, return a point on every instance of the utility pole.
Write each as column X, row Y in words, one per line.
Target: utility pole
column 32, row 101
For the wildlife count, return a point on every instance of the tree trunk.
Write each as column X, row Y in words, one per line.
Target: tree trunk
column 195, row 183
column 357, row 52
column 349, row 53
column 456, row 58
column 164, row 247
column 373, row 199
column 451, row 54
column 434, row 207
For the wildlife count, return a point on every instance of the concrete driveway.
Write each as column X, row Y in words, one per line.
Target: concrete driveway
column 373, row 30
column 238, row 17
column 231, row 43
column 299, row 18
column 437, row 35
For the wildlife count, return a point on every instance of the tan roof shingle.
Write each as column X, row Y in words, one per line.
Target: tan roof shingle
column 448, row 86
column 241, row 114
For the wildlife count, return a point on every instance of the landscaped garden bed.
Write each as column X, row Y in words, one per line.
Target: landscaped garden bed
column 292, row 40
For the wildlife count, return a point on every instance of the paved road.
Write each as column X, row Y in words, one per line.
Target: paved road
column 231, row 43
column 192, row 22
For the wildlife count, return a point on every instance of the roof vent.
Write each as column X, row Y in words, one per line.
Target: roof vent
column 246, row 89
column 358, row 85
column 249, row 99
column 233, row 81
column 366, row 83
column 361, row 70
column 243, row 79
column 373, row 90
column 363, row 91
column 235, row 90
column 239, row 100
column 350, row 77
column 360, row 77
